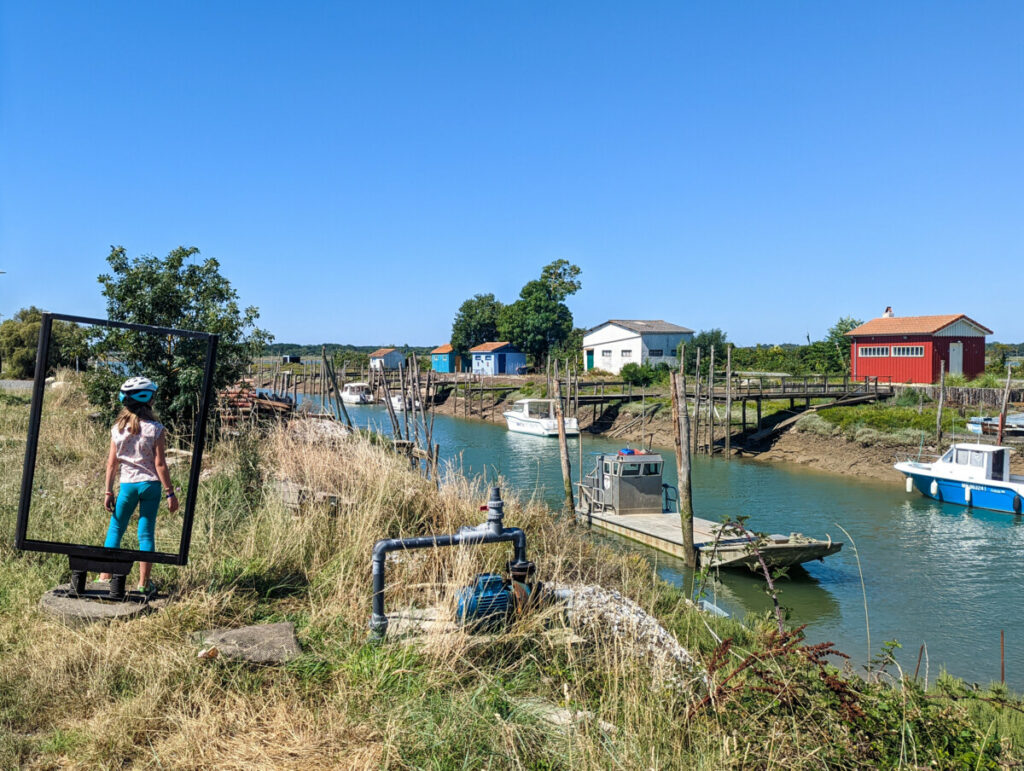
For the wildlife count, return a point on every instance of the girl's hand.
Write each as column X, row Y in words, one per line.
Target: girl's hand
column 108, row 501
column 172, row 503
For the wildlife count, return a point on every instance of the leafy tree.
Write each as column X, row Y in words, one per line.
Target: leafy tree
column 172, row 292
column 705, row 340
column 839, row 343
column 540, row 320
column 476, row 322
column 561, row 278
column 570, row 348
column 19, row 340
column 536, row 321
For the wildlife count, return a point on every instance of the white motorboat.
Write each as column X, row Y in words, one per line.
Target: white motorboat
column 399, row 403
column 537, row 417
column 356, row 393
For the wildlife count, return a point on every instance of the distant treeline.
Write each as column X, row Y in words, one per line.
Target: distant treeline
column 290, row 349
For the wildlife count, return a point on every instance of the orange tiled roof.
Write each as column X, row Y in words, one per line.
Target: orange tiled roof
column 381, row 353
column 446, row 348
column 911, row 325
column 488, row 347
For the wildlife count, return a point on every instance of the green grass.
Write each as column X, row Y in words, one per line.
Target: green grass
column 134, row 694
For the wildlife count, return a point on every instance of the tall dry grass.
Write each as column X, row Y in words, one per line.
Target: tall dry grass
column 134, row 693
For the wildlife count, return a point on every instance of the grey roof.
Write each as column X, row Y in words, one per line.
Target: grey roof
column 654, row 326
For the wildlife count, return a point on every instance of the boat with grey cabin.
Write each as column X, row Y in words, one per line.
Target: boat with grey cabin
column 624, row 494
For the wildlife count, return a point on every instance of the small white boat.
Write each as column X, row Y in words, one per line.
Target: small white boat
column 975, row 475
column 398, row 403
column 356, row 393
column 1014, row 425
column 537, row 417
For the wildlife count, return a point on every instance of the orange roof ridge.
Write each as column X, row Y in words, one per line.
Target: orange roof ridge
column 446, row 348
column 488, row 347
column 912, row 325
column 381, row 352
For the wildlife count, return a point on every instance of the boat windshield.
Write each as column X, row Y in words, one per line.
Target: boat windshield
column 538, row 409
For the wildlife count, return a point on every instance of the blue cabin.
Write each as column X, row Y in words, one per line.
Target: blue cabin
column 498, row 359
column 445, row 359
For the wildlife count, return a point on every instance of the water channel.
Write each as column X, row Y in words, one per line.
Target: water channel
column 932, row 573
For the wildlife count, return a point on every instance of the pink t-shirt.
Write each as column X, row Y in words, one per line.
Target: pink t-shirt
column 137, row 452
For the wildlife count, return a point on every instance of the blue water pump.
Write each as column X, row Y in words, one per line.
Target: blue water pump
column 485, row 604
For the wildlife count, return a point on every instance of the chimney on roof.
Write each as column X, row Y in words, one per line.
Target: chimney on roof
column 888, row 312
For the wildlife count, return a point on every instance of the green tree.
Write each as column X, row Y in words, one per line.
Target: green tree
column 19, row 340
column 839, row 343
column 637, row 374
column 476, row 322
column 705, row 340
column 540, row 320
column 561, row 278
column 172, row 292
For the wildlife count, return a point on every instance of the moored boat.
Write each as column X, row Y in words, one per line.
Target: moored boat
column 537, row 417
column 399, row 403
column 625, row 495
column 356, row 393
column 1014, row 425
column 975, row 475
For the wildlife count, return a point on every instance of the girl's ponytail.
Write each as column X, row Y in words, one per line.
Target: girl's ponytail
column 130, row 415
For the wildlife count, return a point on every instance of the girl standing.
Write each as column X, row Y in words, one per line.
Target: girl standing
column 137, row 447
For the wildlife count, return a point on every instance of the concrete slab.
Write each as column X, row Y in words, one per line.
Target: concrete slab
column 94, row 606
column 261, row 644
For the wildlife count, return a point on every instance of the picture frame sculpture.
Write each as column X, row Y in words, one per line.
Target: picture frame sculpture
column 84, row 557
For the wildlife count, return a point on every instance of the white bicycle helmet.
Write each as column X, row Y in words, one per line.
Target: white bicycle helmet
column 141, row 389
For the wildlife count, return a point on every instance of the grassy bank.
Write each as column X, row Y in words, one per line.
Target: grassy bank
column 133, row 693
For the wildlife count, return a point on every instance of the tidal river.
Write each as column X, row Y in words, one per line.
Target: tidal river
column 933, row 574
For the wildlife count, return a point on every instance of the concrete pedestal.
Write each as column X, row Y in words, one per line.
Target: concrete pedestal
column 94, row 606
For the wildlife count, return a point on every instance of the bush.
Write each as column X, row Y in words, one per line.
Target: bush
column 911, row 397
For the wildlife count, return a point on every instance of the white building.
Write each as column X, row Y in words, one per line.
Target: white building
column 615, row 343
column 386, row 358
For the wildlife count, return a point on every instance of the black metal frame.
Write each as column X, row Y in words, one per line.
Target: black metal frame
column 91, row 557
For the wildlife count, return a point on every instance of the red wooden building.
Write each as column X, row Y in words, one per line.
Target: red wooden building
column 909, row 349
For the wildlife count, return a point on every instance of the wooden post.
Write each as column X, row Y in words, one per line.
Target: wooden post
column 1002, row 411
column 681, row 426
column 563, row 447
column 942, row 398
column 711, row 402
column 339, row 405
column 696, row 406
column 728, row 400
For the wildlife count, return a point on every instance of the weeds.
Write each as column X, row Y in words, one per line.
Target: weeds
column 135, row 694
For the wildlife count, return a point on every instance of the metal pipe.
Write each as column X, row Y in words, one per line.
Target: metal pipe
column 491, row 531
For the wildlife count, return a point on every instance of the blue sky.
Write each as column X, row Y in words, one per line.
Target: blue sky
column 361, row 169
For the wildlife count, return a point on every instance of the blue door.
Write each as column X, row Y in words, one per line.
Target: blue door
column 500, row 370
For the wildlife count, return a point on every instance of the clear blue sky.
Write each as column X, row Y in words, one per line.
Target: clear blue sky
column 361, row 169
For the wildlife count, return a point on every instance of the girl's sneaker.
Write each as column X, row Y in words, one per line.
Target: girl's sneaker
column 147, row 588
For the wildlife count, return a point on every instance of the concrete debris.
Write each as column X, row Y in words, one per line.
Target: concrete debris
column 317, row 431
column 608, row 613
column 562, row 718
column 261, row 644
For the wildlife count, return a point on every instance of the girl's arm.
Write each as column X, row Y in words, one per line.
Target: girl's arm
column 160, row 462
column 112, row 464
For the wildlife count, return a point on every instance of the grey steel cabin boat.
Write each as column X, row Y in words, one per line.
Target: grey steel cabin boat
column 625, row 495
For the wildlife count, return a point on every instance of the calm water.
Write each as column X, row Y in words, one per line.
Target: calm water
column 933, row 574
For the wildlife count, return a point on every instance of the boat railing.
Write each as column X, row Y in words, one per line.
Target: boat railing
column 669, row 497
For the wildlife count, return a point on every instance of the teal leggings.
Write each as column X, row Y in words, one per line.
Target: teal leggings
column 147, row 496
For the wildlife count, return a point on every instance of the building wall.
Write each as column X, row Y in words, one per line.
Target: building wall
column 915, row 369
column 614, row 347
column 444, row 362
column 491, row 363
column 388, row 361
